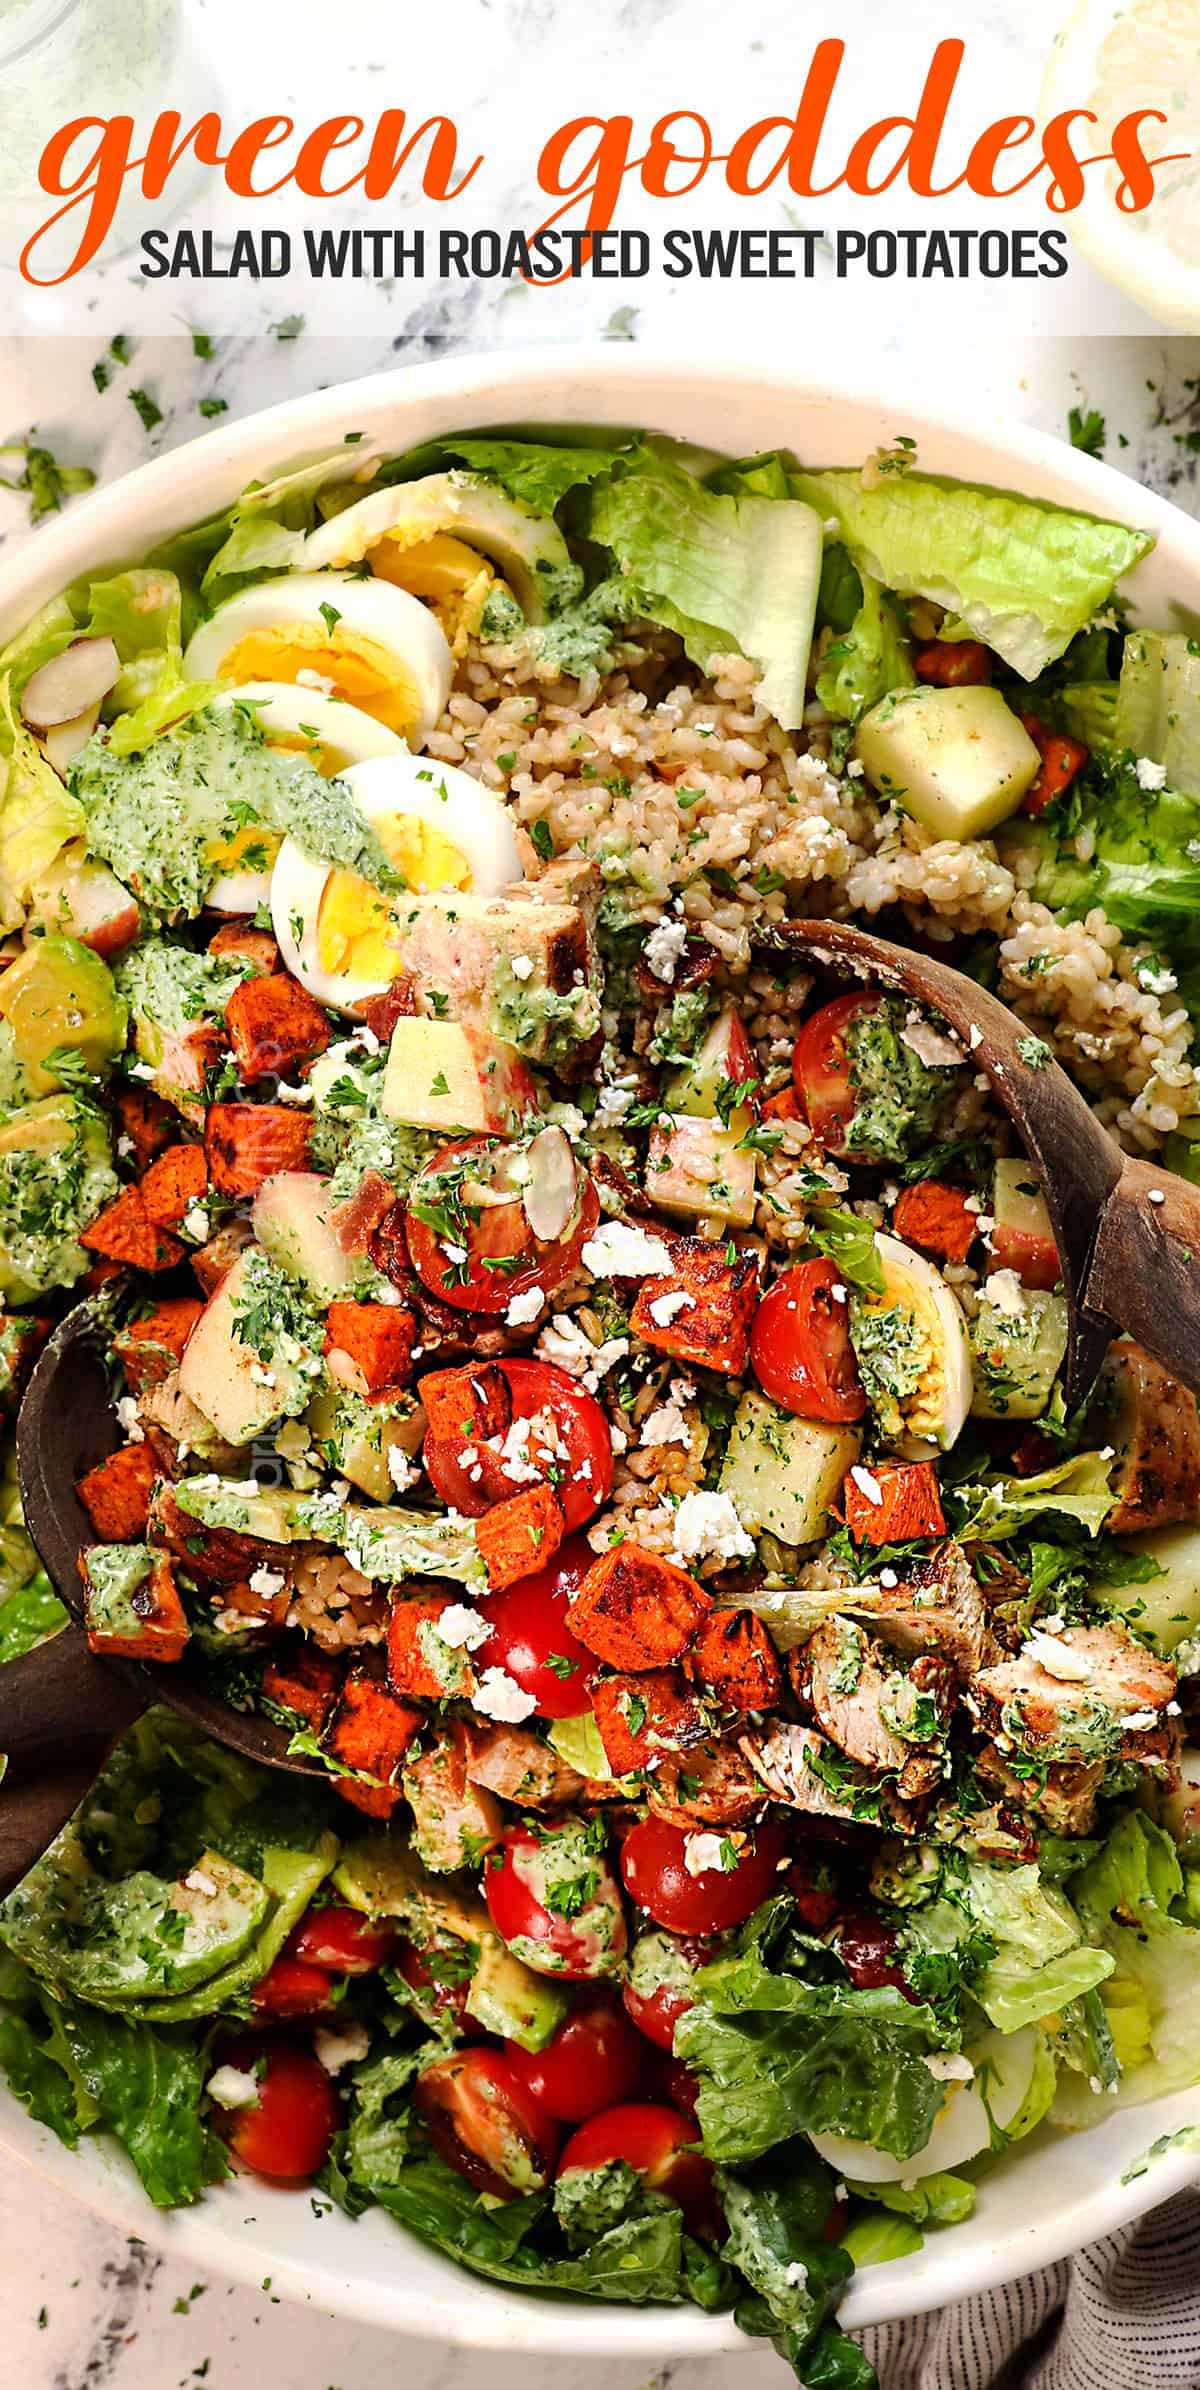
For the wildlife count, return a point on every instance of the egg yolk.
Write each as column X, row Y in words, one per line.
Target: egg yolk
column 252, row 848
column 354, row 921
column 451, row 578
column 356, row 668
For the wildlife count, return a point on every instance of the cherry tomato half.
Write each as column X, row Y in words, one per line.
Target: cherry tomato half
column 821, row 1071
column 866, row 1945
column 486, row 2123
column 530, row 1638
column 800, row 1349
column 569, row 1439
column 440, row 1993
column 286, row 2134
column 292, row 1989
column 593, row 2060
column 528, row 1873
column 661, row 2145
column 653, row 1864
column 341, row 1939
column 656, row 2012
column 503, row 1256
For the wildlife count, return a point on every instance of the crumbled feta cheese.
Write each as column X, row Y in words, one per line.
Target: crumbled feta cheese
column 929, row 1045
column 400, row 1469
column 261, row 1376
column 618, row 1251
column 888, row 1578
column 707, row 1526
column 1140, row 1721
column 664, row 947
column 668, row 1307
column 267, row 1581
column 195, row 1223
column 1150, row 775
column 455, row 1254
column 1067, row 1666
column 140, row 1070
column 666, row 1425
column 294, row 1092
column 521, row 966
column 869, row 1487
column 124, row 1147
column 198, row 1881
column 127, row 1416
column 950, row 2066
column 498, row 1695
column 232, row 2087
column 462, row 1628
column 613, row 1102
column 336, row 2050
column 975, row 1037
column 1005, row 1293
column 524, row 1308
column 855, row 770
column 702, row 1852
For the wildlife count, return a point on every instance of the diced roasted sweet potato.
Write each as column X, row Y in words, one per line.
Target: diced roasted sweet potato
column 905, row 1506
column 640, row 1717
column 635, row 1610
column 784, row 1105
column 416, row 1665
column 734, row 1658
column 703, row 1310
column 304, row 1681
column 148, row 1122
column 376, row 1339
column 936, row 1219
column 150, row 1349
column 244, row 943
column 374, row 1800
column 370, row 1728
column 125, row 1233
column 131, row 1606
column 116, row 1494
column 519, row 1536
column 463, row 1406
column 178, row 1178
column 247, row 1144
column 274, row 1027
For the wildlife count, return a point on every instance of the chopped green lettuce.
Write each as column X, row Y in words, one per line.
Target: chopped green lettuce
column 871, row 658
column 1144, row 870
column 1076, row 1489
column 1158, row 704
column 1127, row 1898
column 721, row 571
column 37, row 816
column 1023, row 575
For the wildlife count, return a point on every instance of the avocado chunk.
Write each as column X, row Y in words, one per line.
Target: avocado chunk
column 357, row 1437
column 240, row 1506
column 67, row 1021
column 958, row 760
column 384, row 1878
column 55, row 1175
column 506, row 1997
column 291, row 1878
column 122, row 1943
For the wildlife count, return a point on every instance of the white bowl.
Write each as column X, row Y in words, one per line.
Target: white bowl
column 1054, row 2193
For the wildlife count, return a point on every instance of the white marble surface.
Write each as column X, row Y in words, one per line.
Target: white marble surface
column 82, row 2308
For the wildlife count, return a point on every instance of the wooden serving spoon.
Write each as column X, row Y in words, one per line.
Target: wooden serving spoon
column 62, row 1708
column 1128, row 1232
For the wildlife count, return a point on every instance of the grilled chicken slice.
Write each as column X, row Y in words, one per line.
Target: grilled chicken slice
column 714, row 1785
column 879, row 1714
column 1088, row 1693
column 939, row 1608
column 515, row 1765
column 1063, row 1799
column 1154, row 1424
column 454, row 1821
column 800, row 1768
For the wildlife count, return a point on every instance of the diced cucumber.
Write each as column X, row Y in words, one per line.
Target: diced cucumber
column 1017, row 1350
column 783, row 1473
column 1164, row 1608
column 958, row 760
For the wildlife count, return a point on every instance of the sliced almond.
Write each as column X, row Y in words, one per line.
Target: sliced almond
column 70, row 684
column 550, row 1198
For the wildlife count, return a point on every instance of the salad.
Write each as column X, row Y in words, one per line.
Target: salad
column 595, row 1387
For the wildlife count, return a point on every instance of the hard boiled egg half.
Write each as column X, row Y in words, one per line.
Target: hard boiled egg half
column 338, row 635
column 439, row 828
column 1007, row 2081
column 933, row 1410
column 446, row 538
column 299, row 721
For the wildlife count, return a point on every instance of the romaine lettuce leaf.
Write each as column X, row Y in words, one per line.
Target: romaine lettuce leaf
column 1144, row 871
column 1158, row 704
column 778, row 2055
column 720, row 571
column 28, row 1614
column 1025, row 576
column 1076, row 1489
column 871, row 658
column 1124, row 1898
column 537, row 473
column 266, row 530
column 76, row 2069
column 37, row 816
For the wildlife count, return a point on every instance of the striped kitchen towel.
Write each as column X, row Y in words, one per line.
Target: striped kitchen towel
column 1123, row 2315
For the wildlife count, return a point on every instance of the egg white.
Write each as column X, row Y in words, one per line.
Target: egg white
column 395, row 623
column 1004, row 2065
column 285, row 710
column 389, row 787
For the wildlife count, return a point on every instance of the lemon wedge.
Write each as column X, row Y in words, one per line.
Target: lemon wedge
column 1113, row 56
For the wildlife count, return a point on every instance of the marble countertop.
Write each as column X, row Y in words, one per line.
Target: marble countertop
column 81, row 2306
